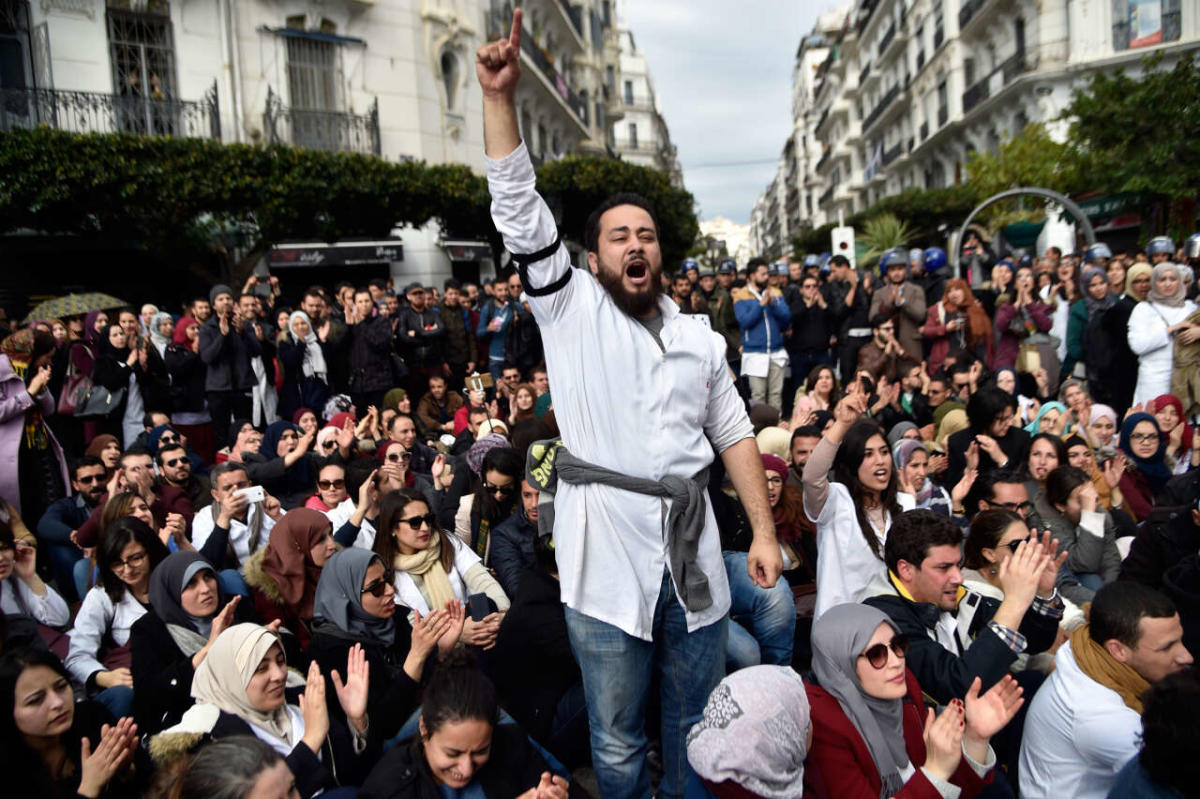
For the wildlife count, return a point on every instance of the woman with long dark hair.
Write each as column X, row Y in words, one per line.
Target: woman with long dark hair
column 432, row 568
column 53, row 748
column 100, row 657
column 493, row 501
column 854, row 512
column 820, row 393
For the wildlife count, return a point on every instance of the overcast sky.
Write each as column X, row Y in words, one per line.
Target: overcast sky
column 723, row 74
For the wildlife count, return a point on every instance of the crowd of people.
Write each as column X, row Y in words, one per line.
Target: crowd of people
column 782, row 529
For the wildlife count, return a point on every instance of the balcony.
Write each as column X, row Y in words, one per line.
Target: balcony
column 880, row 107
column 88, row 112
column 330, row 131
column 534, row 53
column 824, row 159
column 862, row 75
column 824, row 117
column 865, row 11
column 892, row 153
column 943, row 115
column 994, row 81
column 968, row 10
column 826, row 196
column 573, row 15
column 887, row 39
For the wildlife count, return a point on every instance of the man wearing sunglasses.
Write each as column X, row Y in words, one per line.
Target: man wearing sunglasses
column 174, row 469
column 955, row 634
column 56, row 529
column 643, row 397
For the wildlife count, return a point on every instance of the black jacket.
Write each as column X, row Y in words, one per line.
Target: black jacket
column 162, row 673
column 370, row 354
column 228, row 356
column 1015, row 445
column 812, row 327
column 512, row 550
column 392, row 695
column 944, row 675
column 533, row 640
column 298, row 391
column 512, row 769
column 188, row 376
column 420, row 335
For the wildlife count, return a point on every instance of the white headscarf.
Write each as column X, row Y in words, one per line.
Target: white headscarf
column 1175, row 300
column 314, row 359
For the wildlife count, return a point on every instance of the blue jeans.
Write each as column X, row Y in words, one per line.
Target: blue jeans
column 765, row 619
column 617, row 670
column 231, row 583
column 118, row 700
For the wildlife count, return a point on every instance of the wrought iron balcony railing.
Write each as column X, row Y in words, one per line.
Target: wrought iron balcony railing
column 331, row 131
column 880, row 107
column 92, row 112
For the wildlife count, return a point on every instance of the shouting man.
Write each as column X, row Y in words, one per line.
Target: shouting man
column 642, row 396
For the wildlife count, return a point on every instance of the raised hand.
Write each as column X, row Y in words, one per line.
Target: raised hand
column 427, row 630
column 551, row 786
column 117, row 745
column 1021, row 574
column 958, row 494
column 39, row 381
column 456, row 613
column 224, row 619
column 972, row 455
column 1114, row 470
column 352, row 695
column 314, row 710
column 498, row 64
column 943, row 740
column 988, row 714
column 1049, row 577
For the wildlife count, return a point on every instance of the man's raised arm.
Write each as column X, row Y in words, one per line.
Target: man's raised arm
column 498, row 66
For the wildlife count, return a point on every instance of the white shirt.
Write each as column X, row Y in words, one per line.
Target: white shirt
column 624, row 404
column 1155, row 348
column 98, row 617
column 18, row 599
column 205, row 521
column 846, row 566
column 342, row 513
column 1078, row 734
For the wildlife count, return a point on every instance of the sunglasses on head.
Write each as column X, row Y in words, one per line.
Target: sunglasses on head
column 379, row 588
column 415, row 522
column 325, row 485
column 877, row 655
column 492, row 489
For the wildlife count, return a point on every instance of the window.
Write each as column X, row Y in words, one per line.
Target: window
column 610, row 79
column 450, row 76
column 939, row 30
column 633, row 139
column 1142, row 23
column 142, row 51
column 969, row 71
column 15, row 64
column 314, row 74
column 628, row 92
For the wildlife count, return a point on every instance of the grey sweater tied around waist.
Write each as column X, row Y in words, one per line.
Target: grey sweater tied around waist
column 549, row 461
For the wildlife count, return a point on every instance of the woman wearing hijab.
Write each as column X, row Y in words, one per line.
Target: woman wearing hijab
column 1168, row 412
column 1146, row 467
column 305, row 375
column 872, row 735
column 161, row 331
column 1123, row 360
column 34, row 474
column 285, row 465
column 355, row 607
column 1155, row 326
column 117, row 365
column 108, row 450
column 190, row 611
column 1051, row 418
column 760, row 751
column 957, row 322
column 283, row 575
column 912, row 464
column 241, row 688
column 189, row 414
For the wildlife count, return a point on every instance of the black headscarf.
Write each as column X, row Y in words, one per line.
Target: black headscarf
column 106, row 347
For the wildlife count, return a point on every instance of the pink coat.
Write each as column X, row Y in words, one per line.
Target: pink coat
column 14, row 401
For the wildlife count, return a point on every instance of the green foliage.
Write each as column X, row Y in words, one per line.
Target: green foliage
column 1139, row 134
column 170, row 195
column 1031, row 158
column 580, row 183
column 880, row 233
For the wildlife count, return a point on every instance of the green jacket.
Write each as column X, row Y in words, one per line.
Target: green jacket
column 720, row 313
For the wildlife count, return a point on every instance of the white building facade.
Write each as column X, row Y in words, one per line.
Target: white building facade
column 909, row 88
column 394, row 78
column 640, row 135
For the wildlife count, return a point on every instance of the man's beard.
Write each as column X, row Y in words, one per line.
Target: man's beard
column 633, row 303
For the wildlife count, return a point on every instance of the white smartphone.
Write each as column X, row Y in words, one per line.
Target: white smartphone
column 252, row 494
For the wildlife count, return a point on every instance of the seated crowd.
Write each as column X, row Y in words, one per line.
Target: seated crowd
column 306, row 560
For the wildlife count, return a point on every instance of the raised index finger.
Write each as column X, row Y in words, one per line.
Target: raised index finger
column 514, row 35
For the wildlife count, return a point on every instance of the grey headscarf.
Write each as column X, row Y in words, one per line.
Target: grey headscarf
column 754, row 732
column 338, row 609
column 160, row 341
column 1176, row 299
column 167, row 582
column 1093, row 305
column 898, row 430
column 839, row 636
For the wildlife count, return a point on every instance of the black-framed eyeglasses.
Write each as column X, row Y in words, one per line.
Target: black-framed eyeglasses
column 88, row 479
column 877, row 655
column 133, row 561
column 1015, row 507
column 415, row 522
column 379, row 588
column 1138, row 438
column 326, row 485
column 174, row 462
column 774, row 481
column 494, row 489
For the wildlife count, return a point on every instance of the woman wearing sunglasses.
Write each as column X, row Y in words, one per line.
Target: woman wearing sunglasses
column 872, row 735
column 356, row 606
column 433, row 568
column 331, row 487
column 493, row 500
column 283, row 575
column 994, row 537
column 100, row 658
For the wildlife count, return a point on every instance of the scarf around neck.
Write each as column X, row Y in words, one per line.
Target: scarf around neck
column 313, row 364
column 427, row 564
column 1095, row 662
